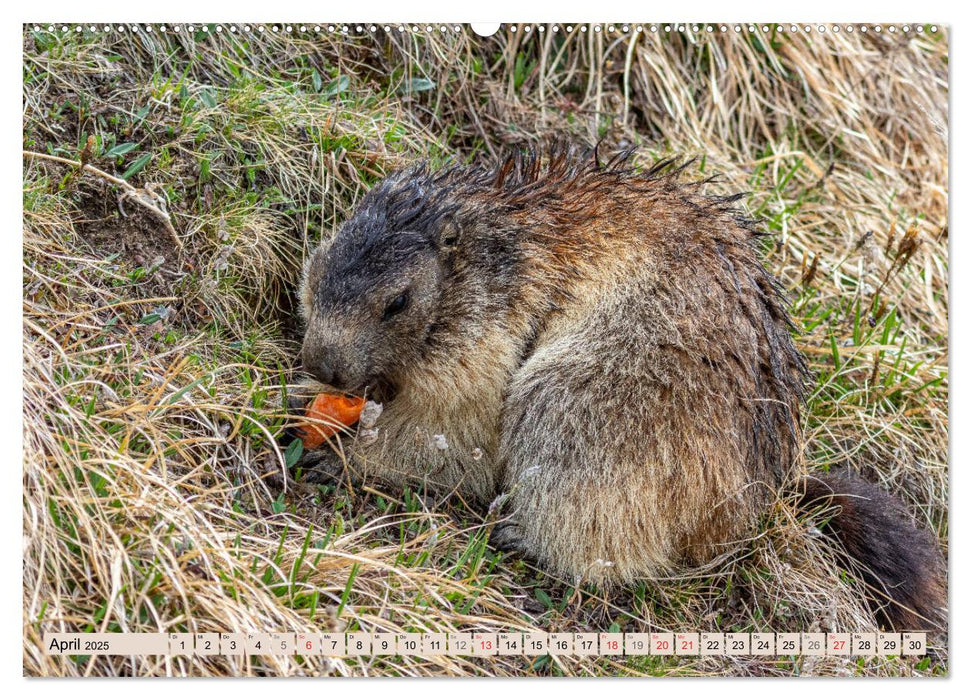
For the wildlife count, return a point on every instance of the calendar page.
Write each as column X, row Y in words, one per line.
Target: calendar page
column 384, row 349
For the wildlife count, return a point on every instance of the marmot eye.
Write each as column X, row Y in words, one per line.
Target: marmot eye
column 397, row 305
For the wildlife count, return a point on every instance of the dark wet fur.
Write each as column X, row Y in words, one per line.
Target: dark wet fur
column 898, row 561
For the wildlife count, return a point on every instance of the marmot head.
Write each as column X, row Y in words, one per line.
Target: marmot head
column 373, row 298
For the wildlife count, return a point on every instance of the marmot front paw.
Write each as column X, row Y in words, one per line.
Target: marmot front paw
column 506, row 536
column 320, row 467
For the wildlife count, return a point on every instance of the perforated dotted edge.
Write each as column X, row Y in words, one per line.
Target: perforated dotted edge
column 364, row 29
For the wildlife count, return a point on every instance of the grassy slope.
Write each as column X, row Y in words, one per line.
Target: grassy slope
column 154, row 371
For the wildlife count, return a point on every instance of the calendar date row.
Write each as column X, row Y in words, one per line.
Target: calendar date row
column 341, row 644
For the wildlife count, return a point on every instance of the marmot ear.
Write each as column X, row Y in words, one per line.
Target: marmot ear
column 449, row 234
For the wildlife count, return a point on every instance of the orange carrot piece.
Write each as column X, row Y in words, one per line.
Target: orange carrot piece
column 336, row 410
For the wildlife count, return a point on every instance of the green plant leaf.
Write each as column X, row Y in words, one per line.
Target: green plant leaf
column 336, row 87
column 207, row 99
column 293, row 452
column 121, row 149
column 137, row 166
column 544, row 599
column 416, row 85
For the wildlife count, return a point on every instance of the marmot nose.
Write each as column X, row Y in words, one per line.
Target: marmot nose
column 325, row 374
column 322, row 369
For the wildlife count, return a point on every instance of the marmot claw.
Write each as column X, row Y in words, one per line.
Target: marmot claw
column 506, row 536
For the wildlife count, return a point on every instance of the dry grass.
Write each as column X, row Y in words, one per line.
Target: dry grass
column 154, row 496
